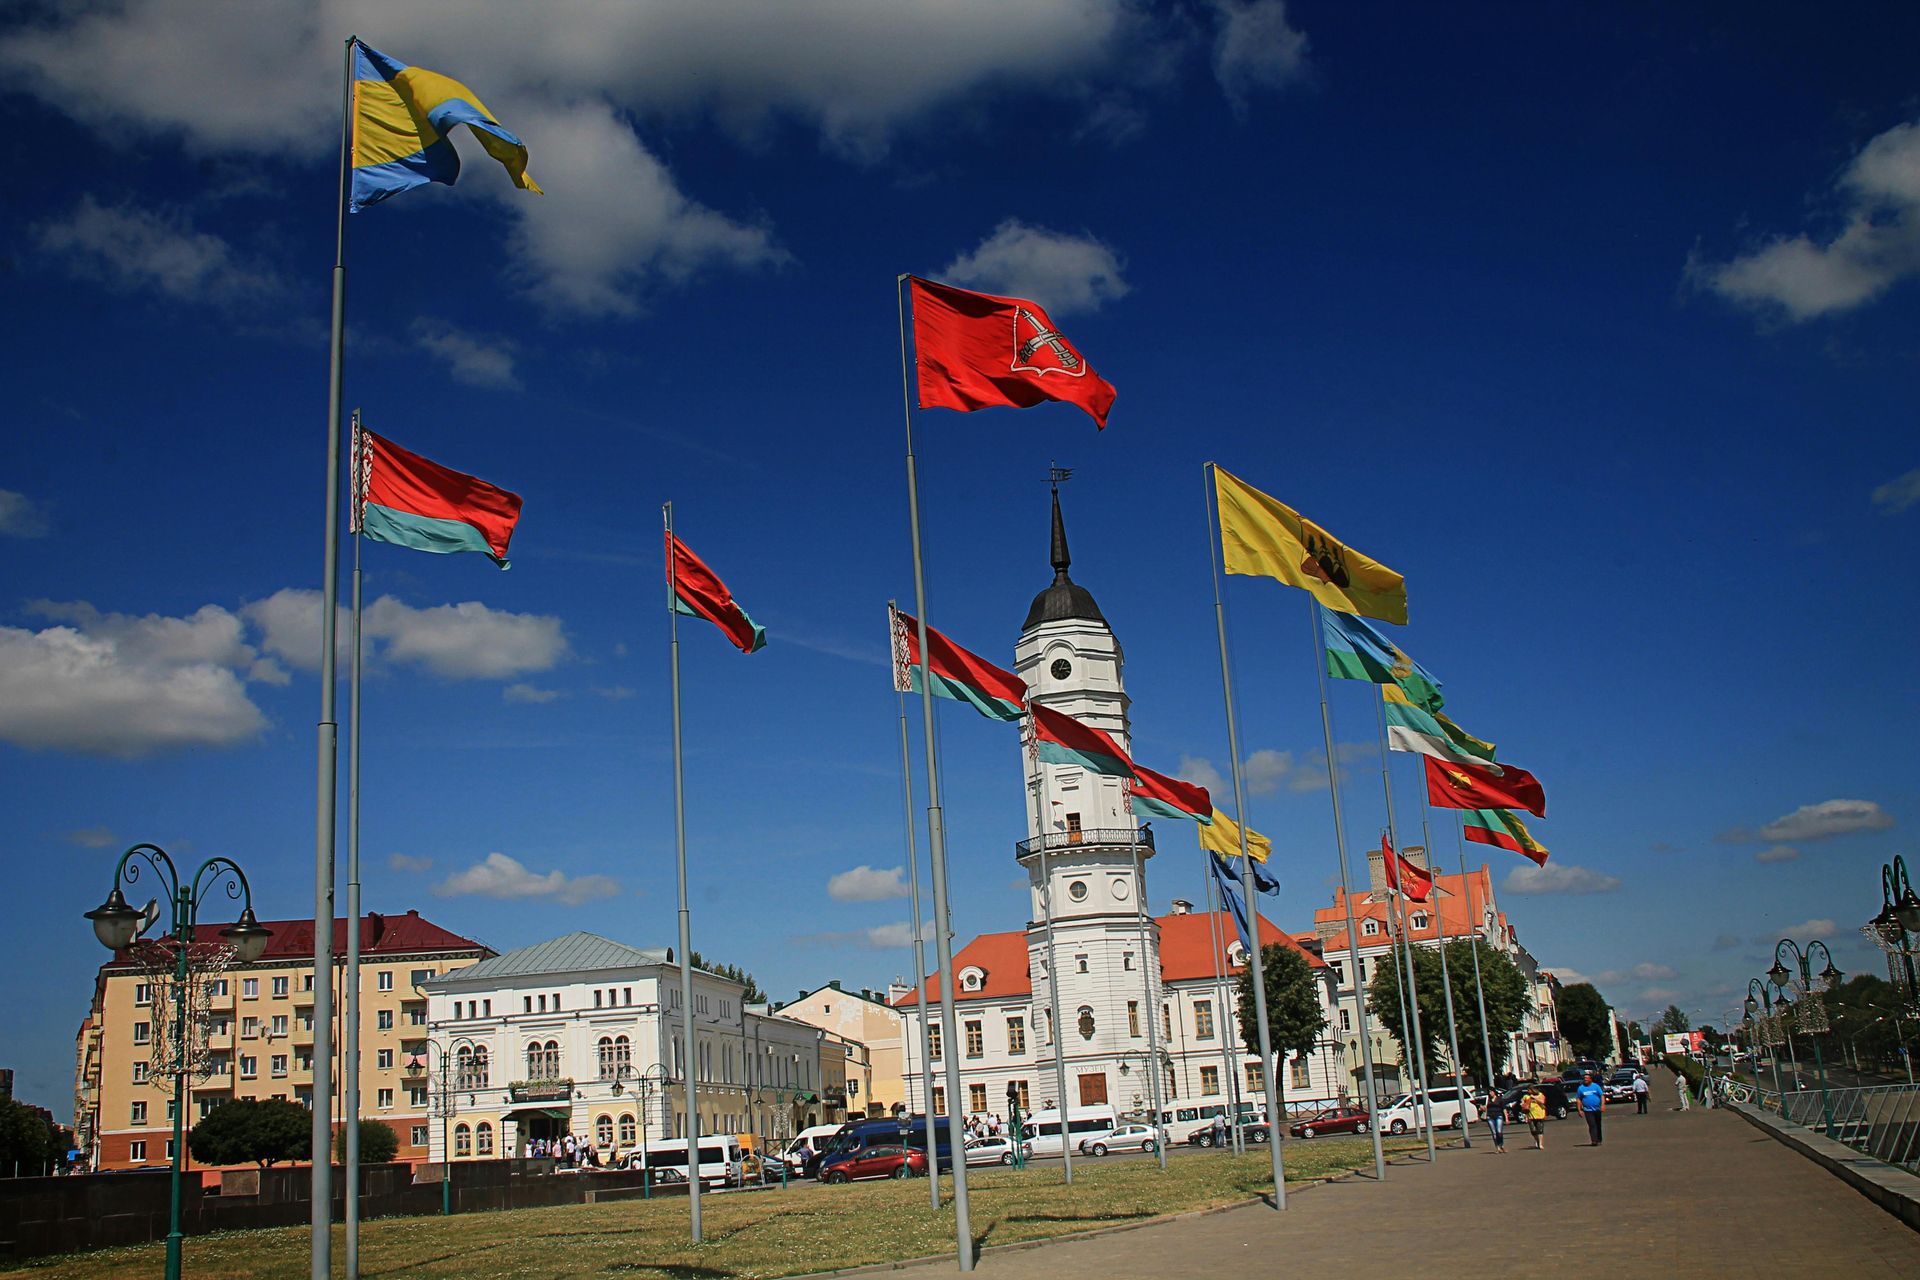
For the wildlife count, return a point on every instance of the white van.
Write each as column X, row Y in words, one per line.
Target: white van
column 1182, row 1118
column 1407, row 1112
column 722, row 1162
column 1043, row 1127
column 807, row 1145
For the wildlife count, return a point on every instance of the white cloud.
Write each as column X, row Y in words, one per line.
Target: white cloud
column 881, row 937
column 1658, row 994
column 21, row 516
column 1557, row 877
column 1256, row 49
column 1777, row 853
column 1063, row 273
column 91, row 838
column 1726, row 942
column 1891, row 498
column 115, row 685
column 456, row 641
column 868, row 884
column 1819, row 822
column 1805, row 931
column 1201, row 772
column 499, row 876
column 476, row 361
column 1801, row 276
column 1267, row 771
column 1646, row 971
column 523, row 692
column 408, row 862
column 137, row 249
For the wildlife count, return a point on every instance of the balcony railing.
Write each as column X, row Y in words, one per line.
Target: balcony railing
column 1068, row 841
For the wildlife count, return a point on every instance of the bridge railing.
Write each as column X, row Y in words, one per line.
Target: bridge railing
column 1882, row 1121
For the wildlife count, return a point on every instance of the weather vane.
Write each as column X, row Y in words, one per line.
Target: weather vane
column 1057, row 474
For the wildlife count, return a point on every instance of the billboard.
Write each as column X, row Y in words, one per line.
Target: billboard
column 1679, row 1043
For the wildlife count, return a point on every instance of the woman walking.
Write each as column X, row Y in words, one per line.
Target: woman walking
column 1497, row 1123
column 1533, row 1105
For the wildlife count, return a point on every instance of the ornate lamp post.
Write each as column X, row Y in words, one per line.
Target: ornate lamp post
column 1762, row 1029
column 1893, row 929
column 644, row 1084
column 469, row 1078
column 1166, row 1073
column 116, row 924
column 1812, row 1013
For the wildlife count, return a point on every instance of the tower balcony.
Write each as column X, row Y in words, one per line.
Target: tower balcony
column 1079, row 841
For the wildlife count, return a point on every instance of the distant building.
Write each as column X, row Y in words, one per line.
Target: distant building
column 870, row 1028
column 260, row 1036
column 582, row 1035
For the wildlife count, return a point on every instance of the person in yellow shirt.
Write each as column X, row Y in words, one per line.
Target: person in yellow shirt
column 1533, row 1105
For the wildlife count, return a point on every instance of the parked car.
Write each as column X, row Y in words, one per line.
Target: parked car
column 1559, row 1099
column 1619, row 1085
column 877, row 1162
column 1126, row 1137
column 993, row 1151
column 1450, row 1111
column 1253, row 1128
column 1575, row 1074
column 1333, row 1120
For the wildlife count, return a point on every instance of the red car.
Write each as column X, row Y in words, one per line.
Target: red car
column 1336, row 1120
column 879, row 1162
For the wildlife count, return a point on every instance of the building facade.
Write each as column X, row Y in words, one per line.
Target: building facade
column 870, row 1029
column 1124, row 977
column 584, row 1036
column 260, row 1036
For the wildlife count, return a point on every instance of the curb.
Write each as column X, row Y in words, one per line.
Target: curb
column 1893, row 1189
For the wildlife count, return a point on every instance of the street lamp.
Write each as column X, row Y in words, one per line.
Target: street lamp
column 1759, row 1019
column 1899, row 918
column 1153, row 1091
column 116, row 924
column 469, row 1079
column 1813, row 1016
column 655, row 1077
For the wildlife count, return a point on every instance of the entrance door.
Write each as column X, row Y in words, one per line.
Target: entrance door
column 1093, row 1090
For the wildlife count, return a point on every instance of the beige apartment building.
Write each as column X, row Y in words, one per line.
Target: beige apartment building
column 871, row 1029
column 261, row 1036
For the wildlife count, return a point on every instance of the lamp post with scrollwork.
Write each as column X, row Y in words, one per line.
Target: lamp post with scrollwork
column 469, row 1077
column 1812, row 1013
column 116, row 924
column 1759, row 1009
column 1153, row 1121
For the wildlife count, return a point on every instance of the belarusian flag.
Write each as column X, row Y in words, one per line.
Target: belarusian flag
column 1164, row 797
column 974, row 350
column 402, row 498
column 1064, row 740
column 1501, row 828
column 1355, row 651
column 1413, row 728
column 1455, row 785
column 1402, row 876
column 965, row 677
column 1222, row 836
column 699, row 593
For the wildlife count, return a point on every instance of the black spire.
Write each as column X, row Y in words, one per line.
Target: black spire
column 1064, row 598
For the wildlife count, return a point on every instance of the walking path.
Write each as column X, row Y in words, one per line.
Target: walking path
column 1668, row 1194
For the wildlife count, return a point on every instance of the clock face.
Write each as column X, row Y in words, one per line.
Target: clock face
column 1061, row 668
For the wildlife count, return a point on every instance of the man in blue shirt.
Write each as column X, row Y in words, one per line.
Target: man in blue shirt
column 1593, row 1102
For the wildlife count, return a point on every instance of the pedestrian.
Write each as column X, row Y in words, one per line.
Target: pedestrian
column 1640, row 1091
column 1497, row 1123
column 1219, row 1128
column 1533, row 1105
column 1593, row 1104
column 1680, row 1083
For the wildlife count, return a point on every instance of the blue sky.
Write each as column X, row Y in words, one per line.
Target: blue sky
column 1598, row 323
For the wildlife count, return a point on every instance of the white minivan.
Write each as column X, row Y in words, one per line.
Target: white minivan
column 722, row 1161
column 804, row 1151
column 1407, row 1112
column 1043, row 1127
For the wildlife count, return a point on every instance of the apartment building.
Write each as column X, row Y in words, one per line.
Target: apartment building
column 261, row 1036
column 870, row 1030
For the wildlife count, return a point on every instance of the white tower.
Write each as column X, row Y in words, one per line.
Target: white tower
column 1095, row 857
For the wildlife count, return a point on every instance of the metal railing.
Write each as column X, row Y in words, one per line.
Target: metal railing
column 1882, row 1121
column 1125, row 837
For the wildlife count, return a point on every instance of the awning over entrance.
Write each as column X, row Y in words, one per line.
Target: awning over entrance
column 531, row 1110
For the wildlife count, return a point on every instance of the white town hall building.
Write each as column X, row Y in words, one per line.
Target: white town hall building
column 1116, row 966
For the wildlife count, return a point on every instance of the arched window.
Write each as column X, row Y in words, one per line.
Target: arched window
column 605, row 1055
column 603, row 1131
column 480, row 1067
column 622, row 1057
column 543, row 1060
column 462, row 1140
column 483, row 1136
column 627, row 1131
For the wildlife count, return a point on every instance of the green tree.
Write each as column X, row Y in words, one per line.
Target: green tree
column 1295, row 1018
column 1506, row 993
column 752, row 995
column 378, row 1143
column 1673, row 1021
column 1584, row 1020
column 248, row 1130
column 28, row 1139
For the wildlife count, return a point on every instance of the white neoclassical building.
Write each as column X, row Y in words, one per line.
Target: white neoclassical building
column 584, row 1035
column 1125, row 978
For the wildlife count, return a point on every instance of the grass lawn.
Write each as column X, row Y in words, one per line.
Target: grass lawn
column 763, row 1234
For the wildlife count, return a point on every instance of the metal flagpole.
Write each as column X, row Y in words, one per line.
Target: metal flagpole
column 1150, row 970
column 919, row 953
column 1473, row 932
column 1254, row 965
column 936, row 842
column 1214, row 927
column 1055, row 1021
column 1400, row 987
column 328, row 728
column 1446, row 983
column 690, row 1053
column 1346, row 894
column 1406, row 934
column 350, row 1050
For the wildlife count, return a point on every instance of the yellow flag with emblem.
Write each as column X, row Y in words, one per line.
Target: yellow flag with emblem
column 1262, row 537
column 1222, row 836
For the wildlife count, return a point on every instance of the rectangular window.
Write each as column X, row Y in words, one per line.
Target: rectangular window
column 306, row 1019
column 976, row 1098
column 139, row 1113
column 306, row 982
column 136, row 1150
column 386, row 1098
column 939, row 1101
column 419, row 1135
column 1126, row 959
column 386, row 980
column 278, row 1065
column 1209, row 1081
column 1016, row 1035
column 1361, row 965
column 143, row 993
column 383, row 1019
column 139, row 1073
column 598, row 998
column 249, row 1067
column 1346, row 1020
column 486, row 1008
column 420, row 977
column 529, row 1003
column 976, row 1043
column 172, row 1109
column 417, row 1095
column 933, row 1042
column 218, row 987
column 1301, row 1076
column 1166, row 1020
column 416, row 1015
column 1203, row 1019
column 1133, row 1018
column 142, row 1032
column 249, row 1028
column 249, row 988
column 1021, row 1085
column 279, row 986
column 280, row 1024
column 384, row 1059
column 303, row 1059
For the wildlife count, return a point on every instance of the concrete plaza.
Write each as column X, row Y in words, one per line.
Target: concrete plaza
column 1702, row 1193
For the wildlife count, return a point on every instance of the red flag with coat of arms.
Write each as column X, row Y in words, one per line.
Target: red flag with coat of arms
column 975, row 350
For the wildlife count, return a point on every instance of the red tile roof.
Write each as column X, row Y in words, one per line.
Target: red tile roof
column 380, row 936
column 1001, row 956
column 1455, row 911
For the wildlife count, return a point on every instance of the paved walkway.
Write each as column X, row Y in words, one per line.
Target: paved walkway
column 1697, row 1194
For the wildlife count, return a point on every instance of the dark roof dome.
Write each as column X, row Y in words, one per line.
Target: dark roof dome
column 1064, row 598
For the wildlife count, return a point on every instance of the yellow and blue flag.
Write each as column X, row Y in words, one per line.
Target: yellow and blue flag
column 401, row 118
